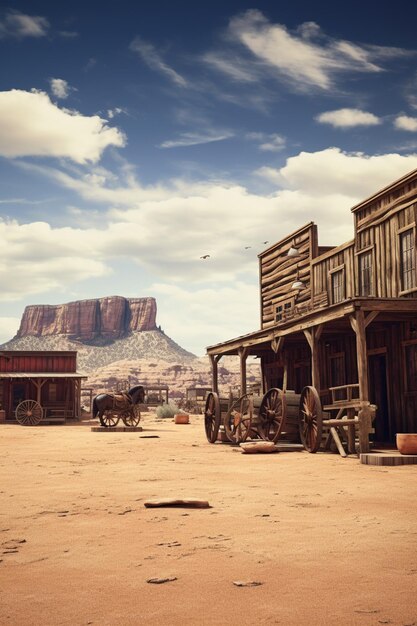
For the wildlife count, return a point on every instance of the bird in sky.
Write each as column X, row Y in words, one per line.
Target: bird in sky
column 265, row 242
column 205, row 256
column 247, row 247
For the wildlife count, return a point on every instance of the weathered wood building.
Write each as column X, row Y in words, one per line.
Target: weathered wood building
column 48, row 378
column 334, row 316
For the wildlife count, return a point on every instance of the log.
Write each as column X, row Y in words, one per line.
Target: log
column 256, row 447
column 169, row 502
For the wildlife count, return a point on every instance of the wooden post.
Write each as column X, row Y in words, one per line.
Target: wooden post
column 243, row 355
column 313, row 335
column 359, row 326
column 214, row 360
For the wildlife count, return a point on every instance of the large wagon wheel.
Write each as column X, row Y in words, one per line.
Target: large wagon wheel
column 29, row 413
column 238, row 420
column 132, row 416
column 311, row 419
column 212, row 416
column 272, row 415
column 109, row 418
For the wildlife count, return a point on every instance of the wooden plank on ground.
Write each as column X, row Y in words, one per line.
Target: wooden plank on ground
column 388, row 458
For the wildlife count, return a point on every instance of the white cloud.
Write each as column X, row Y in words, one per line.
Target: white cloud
column 267, row 142
column 275, row 143
column 165, row 230
column 306, row 58
column 348, row 118
column 153, row 59
column 44, row 259
column 8, row 328
column 19, row 25
column 32, row 125
column 200, row 305
column 60, row 88
column 234, row 67
column 194, row 139
column 404, row 122
column 111, row 113
column 351, row 175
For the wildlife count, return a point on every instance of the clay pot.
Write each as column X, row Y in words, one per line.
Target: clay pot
column 407, row 443
column 182, row 419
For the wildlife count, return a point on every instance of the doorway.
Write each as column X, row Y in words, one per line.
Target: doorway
column 378, row 394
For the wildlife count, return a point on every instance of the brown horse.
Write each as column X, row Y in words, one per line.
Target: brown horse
column 108, row 401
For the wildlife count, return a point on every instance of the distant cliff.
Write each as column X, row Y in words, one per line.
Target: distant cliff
column 107, row 318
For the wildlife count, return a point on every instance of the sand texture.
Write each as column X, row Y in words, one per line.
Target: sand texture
column 289, row 538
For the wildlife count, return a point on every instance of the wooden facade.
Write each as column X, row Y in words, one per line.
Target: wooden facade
column 334, row 316
column 50, row 378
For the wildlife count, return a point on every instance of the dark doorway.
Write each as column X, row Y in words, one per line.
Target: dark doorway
column 378, row 394
column 19, row 393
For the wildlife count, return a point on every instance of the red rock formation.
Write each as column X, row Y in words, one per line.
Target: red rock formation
column 84, row 320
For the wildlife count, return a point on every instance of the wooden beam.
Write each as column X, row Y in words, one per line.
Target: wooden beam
column 214, row 360
column 277, row 344
column 313, row 335
column 370, row 317
column 243, row 355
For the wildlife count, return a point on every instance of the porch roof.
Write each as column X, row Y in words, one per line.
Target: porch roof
column 314, row 317
column 42, row 375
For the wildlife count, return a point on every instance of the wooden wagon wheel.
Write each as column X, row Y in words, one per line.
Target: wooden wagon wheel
column 238, row 420
column 109, row 418
column 272, row 415
column 212, row 416
column 131, row 417
column 311, row 419
column 29, row 413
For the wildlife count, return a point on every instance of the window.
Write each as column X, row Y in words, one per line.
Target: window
column 338, row 286
column 408, row 265
column 283, row 309
column 365, row 274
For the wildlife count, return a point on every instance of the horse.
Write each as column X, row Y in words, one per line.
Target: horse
column 114, row 402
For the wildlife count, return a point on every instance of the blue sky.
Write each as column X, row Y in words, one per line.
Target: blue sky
column 137, row 137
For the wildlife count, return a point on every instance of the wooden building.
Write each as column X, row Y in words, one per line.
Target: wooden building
column 346, row 315
column 48, row 378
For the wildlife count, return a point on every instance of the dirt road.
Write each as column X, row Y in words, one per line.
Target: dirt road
column 332, row 541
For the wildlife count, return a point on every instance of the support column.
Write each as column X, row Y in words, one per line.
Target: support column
column 359, row 327
column 243, row 355
column 277, row 345
column 214, row 360
column 313, row 335
column 359, row 324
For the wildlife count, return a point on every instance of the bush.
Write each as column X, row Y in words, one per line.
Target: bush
column 167, row 410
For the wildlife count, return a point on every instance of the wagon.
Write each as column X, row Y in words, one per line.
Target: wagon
column 270, row 417
column 129, row 414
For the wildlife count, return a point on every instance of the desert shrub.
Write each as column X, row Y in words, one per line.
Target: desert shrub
column 167, row 410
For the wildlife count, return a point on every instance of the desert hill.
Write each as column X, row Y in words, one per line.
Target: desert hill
column 117, row 340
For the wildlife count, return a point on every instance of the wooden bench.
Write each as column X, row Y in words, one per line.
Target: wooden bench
column 352, row 414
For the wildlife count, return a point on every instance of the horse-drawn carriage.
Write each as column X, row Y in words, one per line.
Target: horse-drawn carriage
column 111, row 408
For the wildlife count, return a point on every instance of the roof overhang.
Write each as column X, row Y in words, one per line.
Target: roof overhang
column 42, row 375
column 314, row 317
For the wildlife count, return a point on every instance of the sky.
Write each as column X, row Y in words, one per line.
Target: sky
column 138, row 137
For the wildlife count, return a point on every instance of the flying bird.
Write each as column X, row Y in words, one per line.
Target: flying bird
column 247, row 247
column 205, row 256
column 265, row 242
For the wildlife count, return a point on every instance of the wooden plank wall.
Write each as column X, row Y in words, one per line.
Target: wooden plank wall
column 378, row 227
column 38, row 362
column 278, row 272
column 341, row 258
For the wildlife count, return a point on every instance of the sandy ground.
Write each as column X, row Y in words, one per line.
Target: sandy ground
column 332, row 541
